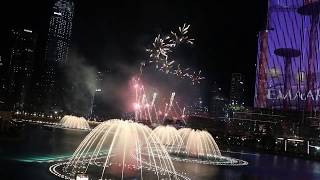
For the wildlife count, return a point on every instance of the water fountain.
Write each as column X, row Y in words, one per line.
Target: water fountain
column 169, row 137
column 74, row 122
column 119, row 149
column 193, row 146
column 198, row 143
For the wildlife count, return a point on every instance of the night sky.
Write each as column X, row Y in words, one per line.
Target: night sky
column 112, row 32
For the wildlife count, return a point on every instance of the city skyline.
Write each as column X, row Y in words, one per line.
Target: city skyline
column 20, row 68
column 170, row 89
column 122, row 44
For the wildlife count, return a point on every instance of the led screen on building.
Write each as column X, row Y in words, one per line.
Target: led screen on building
column 288, row 57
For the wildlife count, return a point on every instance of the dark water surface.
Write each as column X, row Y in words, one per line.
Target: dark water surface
column 27, row 158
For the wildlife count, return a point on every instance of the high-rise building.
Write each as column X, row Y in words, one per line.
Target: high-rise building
column 218, row 101
column 287, row 75
column 99, row 106
column 198, row 108
column 21, row 66
column 59, row 35
column 237, row 91
column 1, row 63
column 57, row 50
column 2, row 80
column 96, row 97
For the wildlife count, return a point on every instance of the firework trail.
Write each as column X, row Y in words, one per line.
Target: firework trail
column 165, row 113
column 161, row 49
column 151, row 110
column 171, row 100
column 153, row 98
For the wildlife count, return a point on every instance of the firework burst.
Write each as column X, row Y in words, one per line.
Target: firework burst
column 160, row 50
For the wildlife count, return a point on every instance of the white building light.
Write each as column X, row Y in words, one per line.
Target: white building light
column 57, row 13
column 295, row 140
column 27, row 30
column 316, row 147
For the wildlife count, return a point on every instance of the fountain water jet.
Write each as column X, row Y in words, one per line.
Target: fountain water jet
column 187, row 142
column 74, row 122
column 198, row 143
column 169, row 137
column 121, row 149
column 193, row 146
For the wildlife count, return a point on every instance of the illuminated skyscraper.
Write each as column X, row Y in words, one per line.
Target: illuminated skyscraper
column 57, row 50
column 288, row 61
column 60, row 27
column 21, row 67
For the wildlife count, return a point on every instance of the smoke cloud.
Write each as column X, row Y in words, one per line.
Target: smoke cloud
column 81, row 80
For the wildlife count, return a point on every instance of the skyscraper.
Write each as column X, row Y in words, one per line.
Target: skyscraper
column 1, row 64
column 217, row 101
column 198, row 107
column 288, row 57
column 59, row 35
column 96, row 97
column 237, row 89
column 57, row 50
column 2, row 79
column 99, row 106
column 21, row 67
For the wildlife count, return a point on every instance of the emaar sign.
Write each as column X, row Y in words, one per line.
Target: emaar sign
column 277, row 94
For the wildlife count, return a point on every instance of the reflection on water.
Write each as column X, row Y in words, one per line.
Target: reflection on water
column 197, row 171
column 39, row 143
